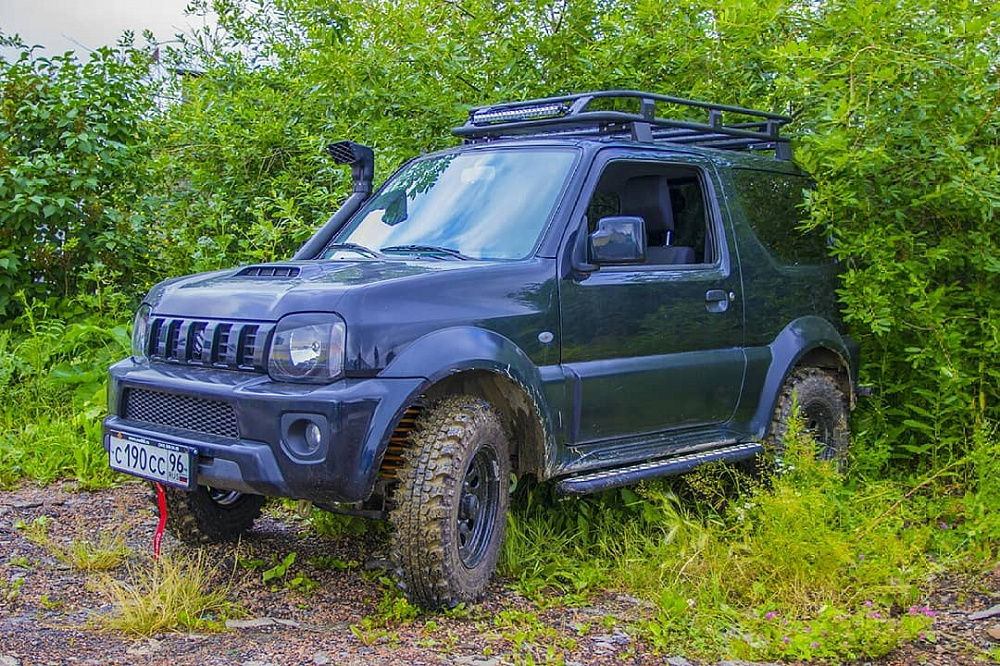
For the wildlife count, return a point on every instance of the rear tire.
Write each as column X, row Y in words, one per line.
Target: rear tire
column 822, row 408
column 450, row 508
column 206, row 515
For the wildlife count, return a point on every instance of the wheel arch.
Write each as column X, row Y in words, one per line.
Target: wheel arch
column 806, row 342
column 485, row 364
column 519, row 413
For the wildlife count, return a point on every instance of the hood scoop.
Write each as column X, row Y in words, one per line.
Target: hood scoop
column 269, row 271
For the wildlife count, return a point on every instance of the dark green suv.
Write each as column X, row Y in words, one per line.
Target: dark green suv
column 584, row 291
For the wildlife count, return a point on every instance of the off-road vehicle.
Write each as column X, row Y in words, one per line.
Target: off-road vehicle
column 585, row 291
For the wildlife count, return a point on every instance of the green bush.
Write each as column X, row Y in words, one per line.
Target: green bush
column 73, row 171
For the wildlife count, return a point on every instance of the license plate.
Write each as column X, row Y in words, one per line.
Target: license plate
column 158, row 461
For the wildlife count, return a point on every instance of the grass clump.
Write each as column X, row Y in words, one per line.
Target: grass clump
column 108, row 551
column 171, row 594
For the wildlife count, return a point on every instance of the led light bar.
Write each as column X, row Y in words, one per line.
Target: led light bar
column 488, row 116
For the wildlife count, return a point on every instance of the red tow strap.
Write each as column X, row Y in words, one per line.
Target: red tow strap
column 161, row 502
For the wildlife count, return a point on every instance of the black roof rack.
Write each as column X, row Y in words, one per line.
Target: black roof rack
column 570, row 115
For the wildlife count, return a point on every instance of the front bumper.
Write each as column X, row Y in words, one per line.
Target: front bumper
column 257, row 453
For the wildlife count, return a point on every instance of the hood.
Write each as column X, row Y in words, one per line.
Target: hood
column 266, row 292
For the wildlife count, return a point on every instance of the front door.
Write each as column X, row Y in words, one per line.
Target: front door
column 658, row 346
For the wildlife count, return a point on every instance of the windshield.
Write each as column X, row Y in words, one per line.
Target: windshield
column 491, row 204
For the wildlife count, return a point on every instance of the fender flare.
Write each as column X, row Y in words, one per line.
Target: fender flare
column 795, row 341
column 451, row 351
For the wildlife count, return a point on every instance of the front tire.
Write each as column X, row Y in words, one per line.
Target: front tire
column 822, row 408
column 208, row 515
column 451, row 503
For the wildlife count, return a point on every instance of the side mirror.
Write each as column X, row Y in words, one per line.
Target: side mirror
column 618, row 240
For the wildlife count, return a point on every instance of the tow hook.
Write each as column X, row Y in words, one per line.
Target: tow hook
column 161, row 503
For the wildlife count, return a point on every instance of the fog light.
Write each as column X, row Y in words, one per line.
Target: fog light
column 314, row 437
column 305, row 438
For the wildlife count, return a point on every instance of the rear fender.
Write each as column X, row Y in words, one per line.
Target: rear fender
column 806, row 341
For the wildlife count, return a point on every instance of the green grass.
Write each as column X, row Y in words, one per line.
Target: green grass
column 810, row 565
column 59, row 444
column 173, row 593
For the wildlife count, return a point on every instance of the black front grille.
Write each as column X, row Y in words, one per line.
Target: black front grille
column 220, row 344
column 214, row 417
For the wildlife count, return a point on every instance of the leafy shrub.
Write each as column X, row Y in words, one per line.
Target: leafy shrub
column 73, row 151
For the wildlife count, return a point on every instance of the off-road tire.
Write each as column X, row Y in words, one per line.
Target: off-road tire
column 205, row 516
column 449, row 510
column 823, row 409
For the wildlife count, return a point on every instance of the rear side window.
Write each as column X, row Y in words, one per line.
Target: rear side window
column 773, row 205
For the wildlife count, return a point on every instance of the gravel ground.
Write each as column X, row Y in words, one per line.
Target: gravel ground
column 51, row 617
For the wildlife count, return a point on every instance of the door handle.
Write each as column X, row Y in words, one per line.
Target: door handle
column 717, row 300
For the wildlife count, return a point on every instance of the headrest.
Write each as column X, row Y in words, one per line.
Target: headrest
column 649, row 198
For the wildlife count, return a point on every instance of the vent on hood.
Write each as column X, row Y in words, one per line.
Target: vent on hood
column 269, row 271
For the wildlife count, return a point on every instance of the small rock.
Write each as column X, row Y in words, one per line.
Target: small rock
column 989, row 612
column 257, row 663
column 619, row 637
column 144, row 649
column 476, row 661
column 254, row 623
column 994, row 632
column 677, row 661
column 7, row 660
column 321, row 658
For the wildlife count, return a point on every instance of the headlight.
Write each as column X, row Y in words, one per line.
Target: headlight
column 140, row 334
column 307, row 348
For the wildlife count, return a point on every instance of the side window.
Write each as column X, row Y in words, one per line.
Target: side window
column 670, row 200
column 773, row 206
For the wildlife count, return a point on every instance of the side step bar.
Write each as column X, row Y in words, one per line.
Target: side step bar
column 626, row 476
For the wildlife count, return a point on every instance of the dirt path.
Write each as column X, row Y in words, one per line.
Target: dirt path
column 51, row 615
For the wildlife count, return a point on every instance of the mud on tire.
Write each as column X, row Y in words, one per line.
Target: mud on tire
column 206, row 515
column 450, row 508
column 823, row 409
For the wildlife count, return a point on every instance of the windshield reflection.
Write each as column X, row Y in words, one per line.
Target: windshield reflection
column 488, row 204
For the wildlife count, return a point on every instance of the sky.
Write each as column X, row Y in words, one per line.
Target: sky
column 83, row 25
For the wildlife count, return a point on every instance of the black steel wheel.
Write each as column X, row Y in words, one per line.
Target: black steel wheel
column 477, row 508
column 450, row 507
column 209, row 515
column 822, row 408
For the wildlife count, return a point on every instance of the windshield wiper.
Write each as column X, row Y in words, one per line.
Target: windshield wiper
column 427, row 248
column 354, row 247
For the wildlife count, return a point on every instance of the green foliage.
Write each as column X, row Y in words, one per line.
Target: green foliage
column 278, row 575
column 73, row 151
column 53, row 393
column 808, row 565
column 903, row 141
column 101, row 552
column 895, row 112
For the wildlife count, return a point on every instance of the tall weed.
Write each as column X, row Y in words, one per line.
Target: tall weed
column 809, row 564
